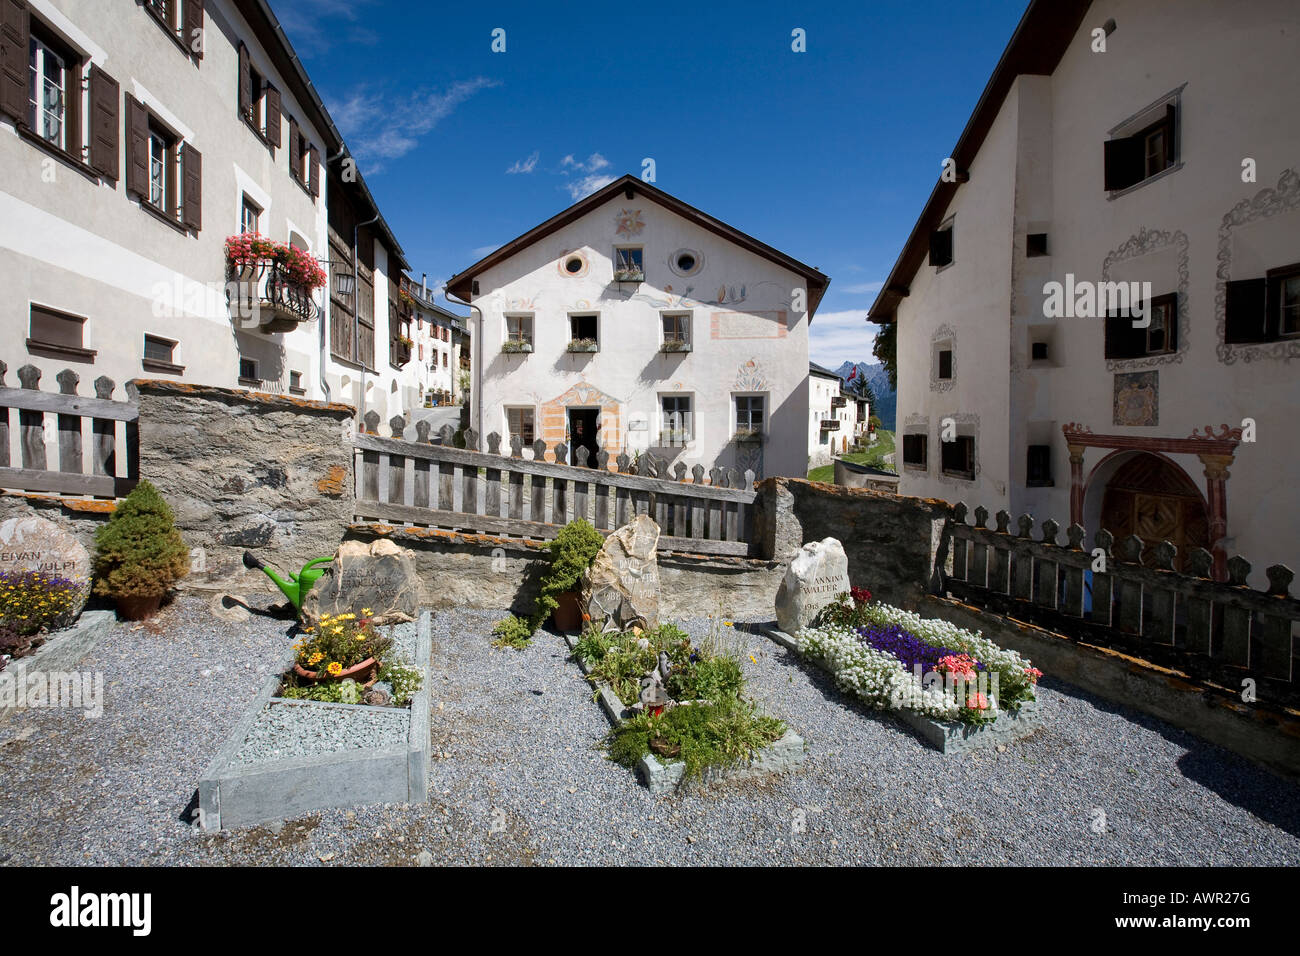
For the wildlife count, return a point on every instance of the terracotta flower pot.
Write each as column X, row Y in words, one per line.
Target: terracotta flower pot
column 138, row 607
column 568, row 616
column 361, row 673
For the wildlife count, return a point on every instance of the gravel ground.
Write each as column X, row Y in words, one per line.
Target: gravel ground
column 518, row 778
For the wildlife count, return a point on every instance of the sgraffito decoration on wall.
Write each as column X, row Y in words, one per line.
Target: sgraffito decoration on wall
column 1137, row 398
column 750, row 377
column 748, row 325
column 1149, row 241
column 1264, row 204
column 628, row 222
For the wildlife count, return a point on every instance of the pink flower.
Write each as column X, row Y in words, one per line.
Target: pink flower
column 1033, row 673
column 977, row 702
column 960, row 665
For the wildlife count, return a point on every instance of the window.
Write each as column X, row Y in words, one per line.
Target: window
column 583, row 332
column 519, row 422
column 915, row 447
column 54, row 90
column 444, row 359
column 676, row 425
column 1160, row 337
column 677, row 331
column 1132, row 159
column 165, row 173
column 685, row 261
column 182, row 20
column 61, row 332
column 945, row 363
column 519, row 333
column 249, row 214
column 573, row 265
column 304, row 160
column 941, row 246
column 958, row 457
column 160, row 355
column 1264, row 309
column 627, row 263
column 248, row 371
column 259, row 101
column 295, row 383
column 749, row 416
column 1036, row 245
column 1038, row 352
column 1038, row 472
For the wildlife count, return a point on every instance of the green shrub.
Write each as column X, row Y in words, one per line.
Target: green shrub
column 719, row 734
column 139, row 552
column 712, row 678
column 572, row 552
column 618, row 660
column 405, row 679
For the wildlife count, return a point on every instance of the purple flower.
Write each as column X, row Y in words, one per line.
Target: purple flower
column 906, row 646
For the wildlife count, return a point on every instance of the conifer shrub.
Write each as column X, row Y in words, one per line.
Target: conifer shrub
column 139, row 552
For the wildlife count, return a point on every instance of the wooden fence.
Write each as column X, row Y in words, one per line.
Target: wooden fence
column 65, row 443
column 439, row 485
column 1223, row 632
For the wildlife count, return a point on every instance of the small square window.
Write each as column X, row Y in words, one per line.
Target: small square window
column 749, row 415
column 677, row 331
column 159, row 351
column 941, row 246
column 519, row 423
column 1036, row 244
column 583, row 329
column 519, row 332
column 676, row 424
column 248, row 371
column 914, row 449
column 1038, row 352
column 1039, row 467
column 628, row 263
column 58, row 331
column 295, row 383
column 958, row 457
column 250, row 214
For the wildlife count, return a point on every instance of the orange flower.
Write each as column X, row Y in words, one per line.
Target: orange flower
column 334, row 669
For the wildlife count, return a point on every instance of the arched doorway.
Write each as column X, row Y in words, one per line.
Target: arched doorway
column 1150, row 496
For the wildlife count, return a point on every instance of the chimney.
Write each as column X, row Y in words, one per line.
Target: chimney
column 424, row 284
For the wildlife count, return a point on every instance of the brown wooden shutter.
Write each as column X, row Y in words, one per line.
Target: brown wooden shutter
column 295, row 150
column 104, row 139
column 137, row 148
column 273, row 116
column 313, row 177
column 192, row 193
column 1124, row 162
column 193, row 29
column 245, row 83
column 15, row 40
column 1245, row 311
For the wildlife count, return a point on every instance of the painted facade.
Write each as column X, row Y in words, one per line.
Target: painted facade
column 593, row 349
column 1150, row 442
column 144, row 293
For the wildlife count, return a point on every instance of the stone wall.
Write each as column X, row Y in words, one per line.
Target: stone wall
column 481, row 571
column 893, row 543
column 244, row 470
column 80, row 517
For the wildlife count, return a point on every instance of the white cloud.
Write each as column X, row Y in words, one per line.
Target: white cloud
column 481, row 251
column 838, row 337
column 524, row 165
column 314, row 26
column 381, row 128
column 863, row 288
column 578, row 188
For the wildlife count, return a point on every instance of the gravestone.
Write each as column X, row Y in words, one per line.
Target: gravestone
column 622, row 584
column 35, row 544
column 818, row 574
column 380, row 576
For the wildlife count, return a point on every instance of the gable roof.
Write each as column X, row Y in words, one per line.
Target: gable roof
column 815, row 369
column 460, row 285
column 1036, row 47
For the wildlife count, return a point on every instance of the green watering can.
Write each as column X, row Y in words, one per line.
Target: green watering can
column 296, row 588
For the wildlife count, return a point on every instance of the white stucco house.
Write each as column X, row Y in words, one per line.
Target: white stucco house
column 632, row 321
column 436, row 338
column 1120, row 147
column 835, row 419
column 135, row 140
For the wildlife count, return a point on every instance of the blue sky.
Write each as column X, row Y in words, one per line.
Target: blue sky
column 827, row 155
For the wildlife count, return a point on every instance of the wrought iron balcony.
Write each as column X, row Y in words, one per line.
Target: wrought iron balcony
column 830, row 424
column 262, row 294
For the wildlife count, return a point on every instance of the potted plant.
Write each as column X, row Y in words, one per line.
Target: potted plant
column 516, row 345
column 583, row 345
column 572, row 552
column 139, row 554
column 340, row 647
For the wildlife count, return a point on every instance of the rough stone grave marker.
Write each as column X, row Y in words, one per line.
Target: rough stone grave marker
column 380, row 576
column 35, row 544
column 622, row 584
column 817, row 575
